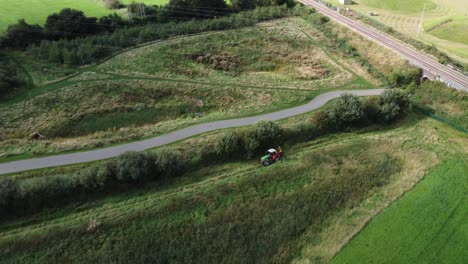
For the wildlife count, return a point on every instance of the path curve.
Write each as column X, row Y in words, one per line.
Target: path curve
column 100, row 154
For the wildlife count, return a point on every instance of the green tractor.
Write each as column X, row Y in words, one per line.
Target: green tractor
column 272, row 156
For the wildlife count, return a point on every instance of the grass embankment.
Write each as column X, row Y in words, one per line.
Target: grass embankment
column 447, row 103
column 427, row 225
column 218, row 75
column 236, row 211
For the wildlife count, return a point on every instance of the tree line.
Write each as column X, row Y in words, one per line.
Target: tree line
column 26, row 196
column 71, row 24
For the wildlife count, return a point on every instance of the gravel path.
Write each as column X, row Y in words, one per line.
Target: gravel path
column 93, row 155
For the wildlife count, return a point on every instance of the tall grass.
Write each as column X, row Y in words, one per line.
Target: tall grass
column 256, row 218
column 94, row 122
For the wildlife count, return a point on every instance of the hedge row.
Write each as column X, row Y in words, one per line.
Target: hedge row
column 90, row 49
column 21, row 197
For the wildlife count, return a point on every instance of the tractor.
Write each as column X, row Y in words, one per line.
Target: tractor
column 272, row 155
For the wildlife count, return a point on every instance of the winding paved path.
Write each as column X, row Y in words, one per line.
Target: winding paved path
column 100, row 154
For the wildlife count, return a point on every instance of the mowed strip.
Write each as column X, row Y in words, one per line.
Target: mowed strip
column 429, row 224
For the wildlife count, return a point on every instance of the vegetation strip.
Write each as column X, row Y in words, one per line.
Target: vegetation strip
column 174, row 136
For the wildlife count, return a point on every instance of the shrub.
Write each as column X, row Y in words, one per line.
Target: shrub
column 8, row 194
column 321, row 120
column 168, row 163
column 267, row 132
column 96, row 177
column 134, row 167
column 112, row 4
column 372, row 109
column 347, row 110
column 229, row 145
column 405, row 76
column 392, row 103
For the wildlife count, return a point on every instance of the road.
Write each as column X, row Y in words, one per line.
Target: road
column 450, row 76
column 100, row 154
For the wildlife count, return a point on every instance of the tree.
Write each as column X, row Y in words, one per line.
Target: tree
column 21, row 35
column 9, row 79
column 404, row 76
column 347, row 110
column 70, row 23
column 392, row 103
column 196, row 8
column 113, row 4
column 229, row 145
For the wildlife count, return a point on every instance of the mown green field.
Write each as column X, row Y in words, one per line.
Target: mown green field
column 429, row 224
column 239, row 211
column 452, row 31
column 36, row 11
column 400, row 5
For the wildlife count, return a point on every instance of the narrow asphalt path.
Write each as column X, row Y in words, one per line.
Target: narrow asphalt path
column 450, row 76
column 100, row 154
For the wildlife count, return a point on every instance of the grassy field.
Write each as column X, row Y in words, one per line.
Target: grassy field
column 400, row 5
column 427, row 225
column 304, row 208
column 36, row 11
column 172, row 84
column 404, row 16
column 452, row 31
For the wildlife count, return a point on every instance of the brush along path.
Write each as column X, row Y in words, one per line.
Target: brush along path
column 106, row 153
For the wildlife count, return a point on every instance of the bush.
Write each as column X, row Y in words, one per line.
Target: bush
column 265, row 134
column 8, row 194
column 401, row 77
column 347, row 110
column 372, row 109
column 392, row 103
column 321, row 120
column 135, row 167
column 96, row 177
column 112, row 4
column 9, row 77
column 229, row 146
column 168, row 163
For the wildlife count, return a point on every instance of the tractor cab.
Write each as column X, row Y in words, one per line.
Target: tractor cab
column 271, row 152
column 271, row 156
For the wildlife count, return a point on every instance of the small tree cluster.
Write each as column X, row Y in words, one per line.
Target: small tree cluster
column 248, row 142
column 351, row 111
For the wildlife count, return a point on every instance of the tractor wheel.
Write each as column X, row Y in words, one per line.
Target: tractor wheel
column 266, row 163
column 278, row 158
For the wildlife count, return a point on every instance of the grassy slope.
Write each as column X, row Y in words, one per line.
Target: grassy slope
column 445, row 102
column 235, row 212
column 279, row 64
column 36, row 11
column 428, row 225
